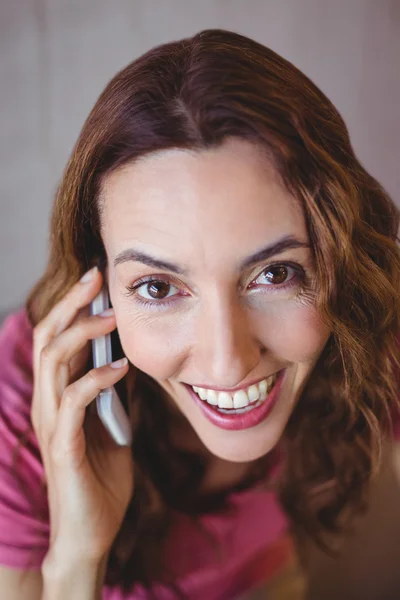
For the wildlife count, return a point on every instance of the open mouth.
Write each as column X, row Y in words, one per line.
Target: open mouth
column 243, row 409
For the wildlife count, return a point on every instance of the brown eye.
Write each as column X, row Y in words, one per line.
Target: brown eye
column 278, row 277
column 152, row 292
column 279, row 274
column 158, row 290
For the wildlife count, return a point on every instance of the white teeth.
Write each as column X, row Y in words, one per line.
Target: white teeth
column 253, row 393
column 263, row 389
column 240, row 411
column 240, row 399
column 203, row 393
column 212, row 397
column 225, row 400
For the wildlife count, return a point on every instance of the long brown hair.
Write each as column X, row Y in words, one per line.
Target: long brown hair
column 193, row 93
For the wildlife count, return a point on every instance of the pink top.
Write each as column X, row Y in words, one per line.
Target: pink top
column 256, row 546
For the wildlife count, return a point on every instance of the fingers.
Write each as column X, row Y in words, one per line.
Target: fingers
column 67, row 444
column 54, row 368
column 63, row 347
column 65, row 311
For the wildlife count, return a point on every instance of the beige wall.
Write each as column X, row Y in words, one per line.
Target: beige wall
column 57, row 55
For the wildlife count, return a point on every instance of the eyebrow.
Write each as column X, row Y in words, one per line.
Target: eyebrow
column 287, row 242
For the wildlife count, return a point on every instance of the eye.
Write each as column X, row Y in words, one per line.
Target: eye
column 156, row 292
column 276, row 276
column 155, row 289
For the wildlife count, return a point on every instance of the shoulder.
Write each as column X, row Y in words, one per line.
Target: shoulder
column 16, row 381
column 16, row 332
column 23, row 534
column 16, row 373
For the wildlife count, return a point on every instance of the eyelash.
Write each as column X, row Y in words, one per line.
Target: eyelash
column 300, row 278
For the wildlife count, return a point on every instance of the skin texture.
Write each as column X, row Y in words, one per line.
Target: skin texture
column 206, row 211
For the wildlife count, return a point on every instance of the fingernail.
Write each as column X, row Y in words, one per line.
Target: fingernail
column 88, row 275
column 107, row 313
column 118, row 364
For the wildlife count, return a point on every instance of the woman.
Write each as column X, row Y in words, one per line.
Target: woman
column 253, row 270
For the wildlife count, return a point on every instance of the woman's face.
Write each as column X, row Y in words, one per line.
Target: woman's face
column 213, row 317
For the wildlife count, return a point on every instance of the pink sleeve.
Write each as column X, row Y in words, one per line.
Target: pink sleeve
column 24, row 528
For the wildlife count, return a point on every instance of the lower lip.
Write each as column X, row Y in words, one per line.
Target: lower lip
column 245, row 420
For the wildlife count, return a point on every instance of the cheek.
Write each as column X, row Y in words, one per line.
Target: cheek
column 297, row 334
column 157, row 349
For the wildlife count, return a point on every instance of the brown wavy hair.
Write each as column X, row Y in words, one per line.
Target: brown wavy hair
column 192, row 94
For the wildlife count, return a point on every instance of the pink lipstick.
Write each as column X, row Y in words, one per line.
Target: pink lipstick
column 244, row 420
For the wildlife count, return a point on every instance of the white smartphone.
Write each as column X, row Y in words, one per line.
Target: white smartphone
column 109, row 406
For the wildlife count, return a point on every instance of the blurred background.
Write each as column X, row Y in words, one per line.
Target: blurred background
column 56, row 56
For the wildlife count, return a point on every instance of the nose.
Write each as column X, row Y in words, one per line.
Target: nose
column 227, row 351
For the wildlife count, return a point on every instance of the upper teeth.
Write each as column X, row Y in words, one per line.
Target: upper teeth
column 238, row 399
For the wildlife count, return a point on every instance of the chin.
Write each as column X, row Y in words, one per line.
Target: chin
column 239, row 453
column 242, row 446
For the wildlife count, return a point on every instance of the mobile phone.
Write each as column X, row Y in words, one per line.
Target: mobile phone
column 109, row 406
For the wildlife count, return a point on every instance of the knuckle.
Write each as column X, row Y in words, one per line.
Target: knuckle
column 46, row 354
column 81, row 328
column 38, row 332
column 93, row 376
column 68, row 397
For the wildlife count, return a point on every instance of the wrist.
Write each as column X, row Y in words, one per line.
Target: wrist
column 72, row 577
column 65, row 555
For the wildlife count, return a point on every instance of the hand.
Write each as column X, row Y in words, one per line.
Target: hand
column 88, row 492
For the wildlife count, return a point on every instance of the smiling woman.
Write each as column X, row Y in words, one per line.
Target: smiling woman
column 254, row 273
column 257, row 301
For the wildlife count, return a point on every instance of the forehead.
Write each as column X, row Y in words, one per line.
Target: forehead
column 226, row 200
